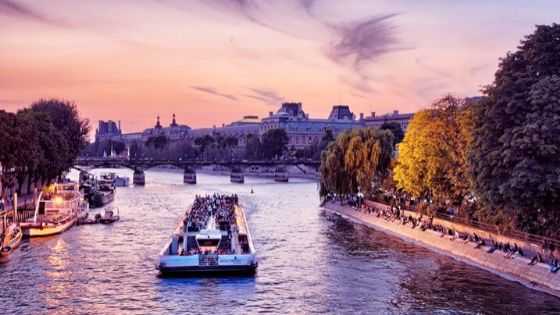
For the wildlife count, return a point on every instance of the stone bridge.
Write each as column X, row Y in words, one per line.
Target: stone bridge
column 190, row 166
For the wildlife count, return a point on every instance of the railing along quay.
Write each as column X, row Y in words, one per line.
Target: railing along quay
column 543, row 241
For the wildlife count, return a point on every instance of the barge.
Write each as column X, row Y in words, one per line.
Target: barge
column 57, row 210
column 104, row 192
column 212, row 237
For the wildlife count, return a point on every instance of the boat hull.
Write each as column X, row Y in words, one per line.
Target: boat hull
column 227, row 264
column 207, row 270
column 100, row 199
column 40, row 231
column 9, row 248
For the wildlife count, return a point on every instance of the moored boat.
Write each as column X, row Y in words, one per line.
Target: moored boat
column 212, row 237
column 237, row 176
column 10, row 238
column 104, row 192
column 56, row 211
column 109, row 216
column 281, row 175
column 121, row 181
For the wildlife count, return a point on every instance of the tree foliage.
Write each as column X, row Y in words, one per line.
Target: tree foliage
column 40, row 142
column 355, row 160
column 432, row 159
column 517, row 134
column 273, row 143
column 396, row 130
column 158, row 142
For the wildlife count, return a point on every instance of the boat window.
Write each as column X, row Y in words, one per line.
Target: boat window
column 208, row 242
column 42, row 207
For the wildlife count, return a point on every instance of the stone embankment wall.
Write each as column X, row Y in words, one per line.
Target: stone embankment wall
column 516, row 269
column 293, row 172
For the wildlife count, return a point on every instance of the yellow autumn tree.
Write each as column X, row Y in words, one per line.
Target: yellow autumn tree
column 432, row 160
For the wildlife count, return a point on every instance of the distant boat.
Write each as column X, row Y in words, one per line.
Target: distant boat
column 109, row 216
column 280, row 175
column 121, row 181
column 237, row 176
column 104, row 192
column 210, row 240
column 56, row 211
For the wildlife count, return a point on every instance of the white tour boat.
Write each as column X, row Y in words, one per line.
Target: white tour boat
column 57, row 210
column 212, row 237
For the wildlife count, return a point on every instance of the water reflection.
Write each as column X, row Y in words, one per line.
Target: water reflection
column 309, row 262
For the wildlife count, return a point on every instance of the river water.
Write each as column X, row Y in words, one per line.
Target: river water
column 309, row 262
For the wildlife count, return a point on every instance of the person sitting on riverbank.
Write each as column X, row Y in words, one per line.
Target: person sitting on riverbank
column 554, row 265
column 536, row 259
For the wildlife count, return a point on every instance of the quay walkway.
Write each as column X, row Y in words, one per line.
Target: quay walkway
column 515, row 268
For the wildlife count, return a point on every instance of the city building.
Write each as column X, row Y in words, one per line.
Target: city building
column 240, row 129
column 301, row 129
column 395, row 116
column 107, row 130
column 174, row 132
column 304, row 131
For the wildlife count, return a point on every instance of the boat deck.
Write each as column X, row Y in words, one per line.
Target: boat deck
column 211, row 237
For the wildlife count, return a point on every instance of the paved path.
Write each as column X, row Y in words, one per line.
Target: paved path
column 516, row 269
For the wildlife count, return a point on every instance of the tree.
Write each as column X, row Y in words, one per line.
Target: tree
column 157, row 142
column 64, row 117
column 355, row 160
column 253, row 147
column 396, row 130
column 515, row 160
column 136, row 150
column 230, row 142
column 432, row 157
column 274, row 143
column 203, row 142
column 9, row 144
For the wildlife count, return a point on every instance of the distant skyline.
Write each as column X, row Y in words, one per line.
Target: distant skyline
column 213, row 61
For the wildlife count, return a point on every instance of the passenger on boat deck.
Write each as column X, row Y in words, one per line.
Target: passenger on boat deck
column 220, row 206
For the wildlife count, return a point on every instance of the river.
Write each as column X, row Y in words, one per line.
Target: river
column 309, row 262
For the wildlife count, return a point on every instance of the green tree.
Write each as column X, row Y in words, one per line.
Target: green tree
column 136, row 150
column 203, row 142
column 355, row 160
column 396, row 130
column 253, row 146
column 515, row 160
column 158, row 142
column 274, row 143
column 64, row 117
column 10, row 142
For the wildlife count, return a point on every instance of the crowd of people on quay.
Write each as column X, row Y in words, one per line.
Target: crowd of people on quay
column 394, row 212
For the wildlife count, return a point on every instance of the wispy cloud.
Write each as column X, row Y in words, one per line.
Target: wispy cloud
column 362, row 42
column 212, row 91
column 14, row 8
column 353, row 45
column 266, row 96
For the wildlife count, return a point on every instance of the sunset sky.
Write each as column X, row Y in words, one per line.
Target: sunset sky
column 213, row 61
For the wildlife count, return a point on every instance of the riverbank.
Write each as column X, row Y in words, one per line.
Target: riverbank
column 537, row 277
column 293, row 172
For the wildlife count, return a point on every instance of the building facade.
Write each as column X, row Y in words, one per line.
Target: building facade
column 301, row 129
column 304, row 131
column 395, row 116
column 107, row 130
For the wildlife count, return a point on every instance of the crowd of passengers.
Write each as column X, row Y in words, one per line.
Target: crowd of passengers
column 222, row 207
column 219, row 206
column 395, row 213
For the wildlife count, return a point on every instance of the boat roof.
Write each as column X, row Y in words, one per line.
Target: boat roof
column 209, row 234
column 240, row 221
